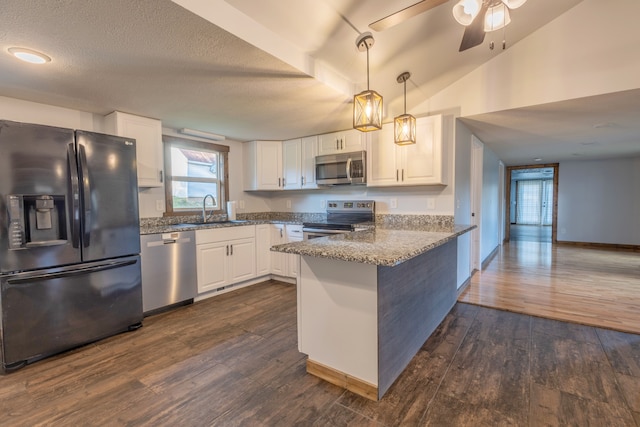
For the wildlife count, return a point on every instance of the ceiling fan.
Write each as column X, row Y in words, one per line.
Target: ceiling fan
column 478, row 16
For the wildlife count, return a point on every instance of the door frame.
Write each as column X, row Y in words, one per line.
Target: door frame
column 477, row 153
column 554, row 219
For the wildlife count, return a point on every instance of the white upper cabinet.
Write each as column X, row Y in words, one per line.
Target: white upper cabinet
column 299, row 163
column 340, row 142
column 417, row 164
column 292, row 164
column 263, row 165
column 309, row 153
column 148, row 135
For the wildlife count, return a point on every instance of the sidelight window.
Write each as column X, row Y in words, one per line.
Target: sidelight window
column 193, row 170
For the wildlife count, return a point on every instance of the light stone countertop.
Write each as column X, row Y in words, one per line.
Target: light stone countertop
column 170, row 228
column 385, row 246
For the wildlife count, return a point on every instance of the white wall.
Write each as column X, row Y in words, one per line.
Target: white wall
column 490, row 217
column 599, row 201
column 586, row 51
column 30, row 112
column 252, row 202
column 409, row 200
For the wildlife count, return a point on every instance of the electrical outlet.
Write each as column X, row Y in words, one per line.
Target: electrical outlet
column 431, row 203
column 288, row 203
column 240, row 204
column 160, row 205
column 393, row 203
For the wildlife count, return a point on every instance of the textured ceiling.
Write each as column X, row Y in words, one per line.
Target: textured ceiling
column 268, row 69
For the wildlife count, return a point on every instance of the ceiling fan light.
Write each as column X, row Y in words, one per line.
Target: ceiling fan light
column 367, row 111
column 465, row 11
column 404, row 127
column 497, row 17
column 514, row 4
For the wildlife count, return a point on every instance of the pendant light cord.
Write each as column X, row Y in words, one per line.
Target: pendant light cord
column 367, row 46
column 405, row 96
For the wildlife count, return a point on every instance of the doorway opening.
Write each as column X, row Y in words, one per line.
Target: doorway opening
column 532, row 193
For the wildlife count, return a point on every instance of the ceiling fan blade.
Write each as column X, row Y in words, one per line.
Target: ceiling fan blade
column 404, row 14
column 474, row 33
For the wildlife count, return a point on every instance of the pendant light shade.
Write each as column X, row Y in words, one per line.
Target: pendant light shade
column 367, row 105
column 404, row 126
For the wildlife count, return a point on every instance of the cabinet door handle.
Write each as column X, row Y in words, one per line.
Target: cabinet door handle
column 284, row 182
column 227, row 250
column 402, row 175
column 337, row 142
column 397, row 175
column 279, row 182
column 302, row 180
column 281, row 233
column 161, row 177
column 231, row 249
column 341, row 144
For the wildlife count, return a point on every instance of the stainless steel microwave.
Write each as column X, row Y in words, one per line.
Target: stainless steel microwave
column 342, row 168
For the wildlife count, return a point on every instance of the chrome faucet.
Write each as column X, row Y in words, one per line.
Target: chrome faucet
column 206, row 217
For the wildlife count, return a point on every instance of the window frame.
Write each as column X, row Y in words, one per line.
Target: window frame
column 168, row 142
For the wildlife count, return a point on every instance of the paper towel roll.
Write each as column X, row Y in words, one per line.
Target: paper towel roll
column 231, row 211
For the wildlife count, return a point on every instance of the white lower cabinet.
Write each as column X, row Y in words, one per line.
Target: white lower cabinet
column 225, row 256
column 263, row 249
column 294, row 234
column 278, row 259
column 285, row 265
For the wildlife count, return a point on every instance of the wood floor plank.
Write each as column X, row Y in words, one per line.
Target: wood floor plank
column 188, row 367
column 594, row 287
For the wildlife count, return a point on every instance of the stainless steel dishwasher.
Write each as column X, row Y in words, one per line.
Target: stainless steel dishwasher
column 168, row 264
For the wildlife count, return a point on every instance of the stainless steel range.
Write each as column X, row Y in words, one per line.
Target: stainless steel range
column 342, row 217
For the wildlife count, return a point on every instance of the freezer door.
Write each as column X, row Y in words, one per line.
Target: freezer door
column 109, row 195
column 48, row 311
column 37, row 198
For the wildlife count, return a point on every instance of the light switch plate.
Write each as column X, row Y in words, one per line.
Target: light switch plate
column 160, row 205
column 393, row 203
column 288, row 203
column 431, row 203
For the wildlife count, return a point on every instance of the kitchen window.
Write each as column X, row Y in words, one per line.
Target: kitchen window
column 194, row 169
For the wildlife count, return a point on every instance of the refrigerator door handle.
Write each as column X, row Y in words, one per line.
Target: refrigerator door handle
column 67, row 273
column 86, row 194
column 75, row 196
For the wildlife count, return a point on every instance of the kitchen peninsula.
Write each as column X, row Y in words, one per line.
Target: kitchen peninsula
column 368, row 300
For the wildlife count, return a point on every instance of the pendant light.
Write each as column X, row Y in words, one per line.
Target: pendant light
column 367, row 105
column 404, row 126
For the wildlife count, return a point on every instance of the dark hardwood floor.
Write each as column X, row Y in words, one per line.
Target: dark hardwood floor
column 233, row 360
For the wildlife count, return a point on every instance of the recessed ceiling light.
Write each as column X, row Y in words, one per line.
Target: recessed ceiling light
column 537, row 159
column 28, row 55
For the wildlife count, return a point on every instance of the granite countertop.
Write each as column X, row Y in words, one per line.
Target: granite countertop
column 386, row 245
column 170, row 228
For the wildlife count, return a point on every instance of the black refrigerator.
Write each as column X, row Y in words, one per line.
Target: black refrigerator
column 69, row 240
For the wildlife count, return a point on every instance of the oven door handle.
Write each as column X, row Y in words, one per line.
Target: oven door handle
column 324, row 230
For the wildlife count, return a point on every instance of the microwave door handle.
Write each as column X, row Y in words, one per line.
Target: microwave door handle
column 349, row 169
